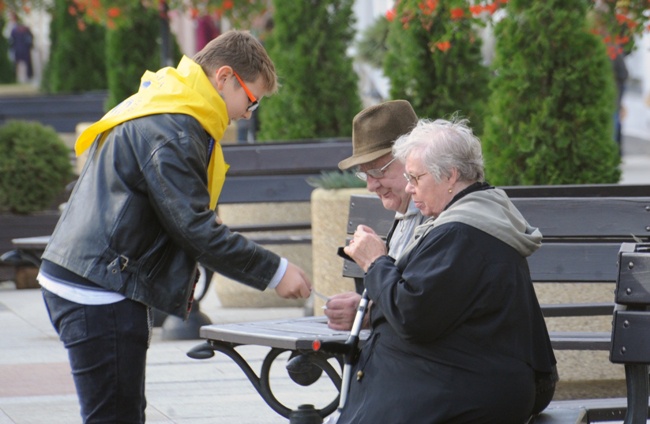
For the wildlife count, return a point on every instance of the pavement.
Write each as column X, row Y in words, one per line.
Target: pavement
column 36, row 386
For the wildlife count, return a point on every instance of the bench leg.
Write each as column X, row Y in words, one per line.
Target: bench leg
column 636, row 376
column 305, row 414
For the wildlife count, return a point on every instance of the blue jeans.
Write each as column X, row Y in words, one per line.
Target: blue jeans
column 107, row 349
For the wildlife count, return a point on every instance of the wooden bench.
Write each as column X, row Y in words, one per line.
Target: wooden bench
column 583, row 227
column 259, row 173
column 631, row 327
column 61, row 111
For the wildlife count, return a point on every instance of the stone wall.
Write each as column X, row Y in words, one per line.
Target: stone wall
column 329, row 220
column 235, row 295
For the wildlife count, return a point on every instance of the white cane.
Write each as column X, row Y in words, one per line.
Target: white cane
column 352, row 343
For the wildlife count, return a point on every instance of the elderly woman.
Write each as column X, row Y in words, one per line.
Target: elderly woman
column 457, row 332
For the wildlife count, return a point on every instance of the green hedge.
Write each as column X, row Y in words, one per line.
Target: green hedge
column 435, row 62
column 77, row 61
column 7, row 69
column 553, row 99
column 35, row 166
column 319, row 95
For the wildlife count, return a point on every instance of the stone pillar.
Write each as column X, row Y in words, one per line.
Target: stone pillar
column 235, row 295
column 329, row 220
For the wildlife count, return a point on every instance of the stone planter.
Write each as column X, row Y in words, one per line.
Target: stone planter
column 235, row 295
column 329, row 220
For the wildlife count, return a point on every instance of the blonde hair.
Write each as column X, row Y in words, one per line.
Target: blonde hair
column 244, row 53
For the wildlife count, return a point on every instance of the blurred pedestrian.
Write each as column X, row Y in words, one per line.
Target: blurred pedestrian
column 21, row 42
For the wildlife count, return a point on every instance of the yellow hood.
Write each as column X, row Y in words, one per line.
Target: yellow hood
column 185, row 89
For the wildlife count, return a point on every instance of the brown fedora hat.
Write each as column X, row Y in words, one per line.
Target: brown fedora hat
column 375, row 129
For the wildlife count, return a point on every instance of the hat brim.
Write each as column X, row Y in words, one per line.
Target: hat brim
column 361, row 159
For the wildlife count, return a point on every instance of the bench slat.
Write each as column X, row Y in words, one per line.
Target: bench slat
column 577, row 309
column 298, row 157
column 575, row 263
column 266, row 188
column 555, row 262
column 570, row 340
column 588, row 217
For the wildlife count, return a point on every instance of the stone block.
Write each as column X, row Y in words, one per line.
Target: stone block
column 235, row 295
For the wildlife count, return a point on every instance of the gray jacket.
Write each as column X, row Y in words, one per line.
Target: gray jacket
column 138, row 219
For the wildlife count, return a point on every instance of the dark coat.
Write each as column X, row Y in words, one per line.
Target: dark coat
column 457, row 335
column 138, row 220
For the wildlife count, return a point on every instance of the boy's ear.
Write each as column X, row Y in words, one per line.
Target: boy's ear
column 222, row 74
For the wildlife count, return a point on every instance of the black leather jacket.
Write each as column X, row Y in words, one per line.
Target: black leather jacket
column 138, row 219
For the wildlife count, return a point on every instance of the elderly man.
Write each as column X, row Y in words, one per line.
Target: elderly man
column 374, row 130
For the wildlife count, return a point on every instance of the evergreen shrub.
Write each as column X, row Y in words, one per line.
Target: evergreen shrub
column 76, row 61
column 34, row 166
column 131, row 49
column 434, row 59
column 551, row 110
column 319, row 95
column 7, row 69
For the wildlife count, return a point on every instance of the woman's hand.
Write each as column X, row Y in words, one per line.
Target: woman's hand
column 365, row 247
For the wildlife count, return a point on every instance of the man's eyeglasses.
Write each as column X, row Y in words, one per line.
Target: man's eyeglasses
column 413, row 179
column 374, row 173
column 254, row 103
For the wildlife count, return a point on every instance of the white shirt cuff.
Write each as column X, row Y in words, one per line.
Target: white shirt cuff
column 279, row 273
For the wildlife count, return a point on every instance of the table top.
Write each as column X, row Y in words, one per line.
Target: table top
column 291, row 334
column 31, row 242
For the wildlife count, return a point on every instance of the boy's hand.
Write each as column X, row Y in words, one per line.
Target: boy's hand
column 295, row 284
column 341, row 310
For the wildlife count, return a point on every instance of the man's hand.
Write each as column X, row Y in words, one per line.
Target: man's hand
column 341, row 310
column 295, row 284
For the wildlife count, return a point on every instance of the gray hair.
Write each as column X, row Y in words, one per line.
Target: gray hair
column 444, row 145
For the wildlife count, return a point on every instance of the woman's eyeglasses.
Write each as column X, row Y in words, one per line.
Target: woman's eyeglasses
column 254, row 103
column 413, row 179
column 374, row 173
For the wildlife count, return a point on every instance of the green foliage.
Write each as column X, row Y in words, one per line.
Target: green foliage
column 7, row 72
column 77, row 61
column 319, row 94
column 553, row 99
column 435, row 62
column 336, row 179
column 34, row 166
column 131, row 49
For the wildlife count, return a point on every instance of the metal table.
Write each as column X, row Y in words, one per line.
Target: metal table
column 311, row 343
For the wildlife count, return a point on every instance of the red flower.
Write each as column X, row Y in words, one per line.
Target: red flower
column 428, row 7
column 114, row 12
column 622, row 39
column 443, row 46
column 491, row 8
column 457, row 13
column 476, row 10
column 614, row 51
column 227, row 4
column 390, row 15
